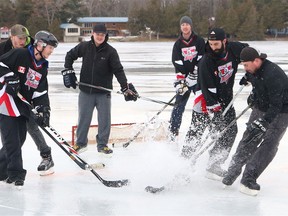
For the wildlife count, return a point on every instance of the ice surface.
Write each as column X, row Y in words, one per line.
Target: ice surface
column 72, row 191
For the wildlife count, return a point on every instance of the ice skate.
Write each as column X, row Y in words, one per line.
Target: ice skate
column 249, row 188
column 46, row 165
column 215, row 173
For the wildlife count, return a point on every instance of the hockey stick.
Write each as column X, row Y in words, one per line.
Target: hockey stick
column 119, row 92
column 226, row 110
column 147, row 123
column 217, row 136
column 60, row 141
column 232, row 101
column 152, row 189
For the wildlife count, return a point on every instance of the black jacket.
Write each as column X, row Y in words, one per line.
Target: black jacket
column 99, row 64
column 270, row 90
column 217, row 73
column 187, row 53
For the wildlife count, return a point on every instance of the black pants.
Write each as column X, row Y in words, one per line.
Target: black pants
column 222, row 147
column 13, row 134
column 257, row 155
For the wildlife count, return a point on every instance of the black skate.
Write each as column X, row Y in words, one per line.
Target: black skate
column 18, row 183
column 249, row 187
column 46, row 165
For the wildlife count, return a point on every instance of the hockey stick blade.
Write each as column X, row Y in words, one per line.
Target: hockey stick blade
column 60, row 141
column 154, row 190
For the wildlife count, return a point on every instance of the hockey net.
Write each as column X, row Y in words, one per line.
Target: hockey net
column 123, row 132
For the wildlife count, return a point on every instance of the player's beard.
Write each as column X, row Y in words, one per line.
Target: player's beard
column 219, row 52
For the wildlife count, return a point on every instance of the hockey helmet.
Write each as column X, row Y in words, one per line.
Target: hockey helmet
column 47, row 38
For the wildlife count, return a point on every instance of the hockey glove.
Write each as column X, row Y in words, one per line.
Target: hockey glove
column 12, row 85
column 251, row 99
column 215, row 108
column 244, row 81
column 129, row 92
column 181, row 86
column 42, row 118
column 256, row 130
column 69, row 78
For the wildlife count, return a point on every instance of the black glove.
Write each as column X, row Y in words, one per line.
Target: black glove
column 42, row 118
column 69, row 78
column 244, row 81
column 129, row 92
column 256, row 130
column 251, row 99
column 12, row 85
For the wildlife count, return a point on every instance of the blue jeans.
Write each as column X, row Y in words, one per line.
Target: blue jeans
column 177, row 113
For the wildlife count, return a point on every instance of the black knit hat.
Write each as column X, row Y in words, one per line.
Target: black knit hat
column 216, row 34
column 250, row 54
column 186, row 19
column 100, row 28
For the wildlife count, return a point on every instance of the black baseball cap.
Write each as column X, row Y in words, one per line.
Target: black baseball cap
column 100, row 28
column 250, row 54
column 216, row 34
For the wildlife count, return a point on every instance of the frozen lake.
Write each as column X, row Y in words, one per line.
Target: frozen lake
column 71, row 191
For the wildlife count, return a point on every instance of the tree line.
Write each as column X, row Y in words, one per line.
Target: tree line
column 243, row 19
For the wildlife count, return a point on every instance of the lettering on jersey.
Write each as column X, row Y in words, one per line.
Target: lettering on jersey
column 21, row 69
column 189, row 53
column 225, row 72
column 33, row 78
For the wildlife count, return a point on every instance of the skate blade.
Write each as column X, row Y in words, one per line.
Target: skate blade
column 19, row 187
column 245, row 190
column 213, row 176
column 47, row 172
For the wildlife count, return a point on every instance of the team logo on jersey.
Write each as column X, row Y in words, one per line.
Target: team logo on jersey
column 225, row 72
column 21, row 69
column 189, row 53
column 33, row 78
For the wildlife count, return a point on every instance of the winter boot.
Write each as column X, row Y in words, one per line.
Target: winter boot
column 105, row 150
column 46, row 165
column 79, row 149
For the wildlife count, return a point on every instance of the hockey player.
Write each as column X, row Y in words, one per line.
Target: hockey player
column 267, row 123
column 100, row 62
column 20, row 38
column 216, row 74
column 24, row 71
column 187, row 51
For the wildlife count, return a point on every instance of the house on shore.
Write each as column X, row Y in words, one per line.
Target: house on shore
column 116, row 26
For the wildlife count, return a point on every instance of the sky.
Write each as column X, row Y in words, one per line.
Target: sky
column 72, row 191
